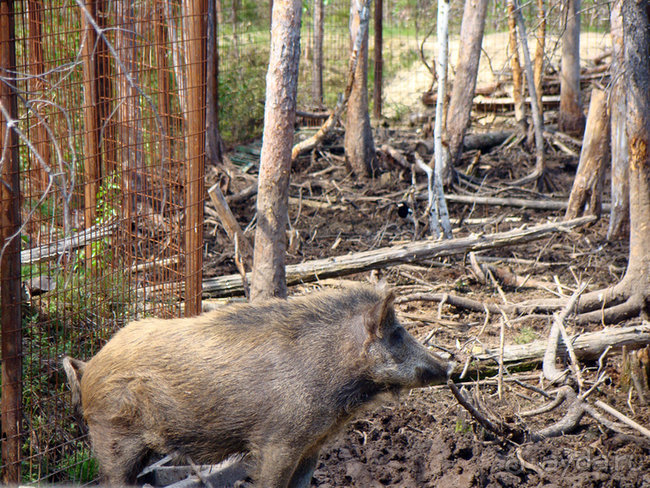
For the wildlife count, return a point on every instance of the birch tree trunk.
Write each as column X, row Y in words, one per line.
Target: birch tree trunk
column 317, row 62
column 571, row 119
column 268, row 277
column 619, row 217
column 538, row 70
column 359, row 143
column 442, row 168
column 462, row 94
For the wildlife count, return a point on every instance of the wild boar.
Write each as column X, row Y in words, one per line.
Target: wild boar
column 274, row 380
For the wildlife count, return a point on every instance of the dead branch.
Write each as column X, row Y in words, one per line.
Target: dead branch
column 503, row 275
column 626, row 420
column 569, row 422
column 513, row 202
column 501, row 429
column 230, row 224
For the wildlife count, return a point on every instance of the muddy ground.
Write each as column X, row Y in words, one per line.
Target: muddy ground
column 424, row 438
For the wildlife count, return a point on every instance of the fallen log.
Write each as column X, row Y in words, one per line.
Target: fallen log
column 510, row 202
column 310, row 271
column 587, row 346
column 78, row 239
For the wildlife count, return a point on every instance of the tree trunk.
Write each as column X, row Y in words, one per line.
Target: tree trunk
column 379, row 58
column 268, row 277
column 538, row 124
column 637, row 69
column 515, row 65
column 588, row 183
column 359, row 144
column 539, row 54
column 620, row 213
column 214, row 146
column 462, row 94
column 317, row 62
column 195, row 55
column 631, row 296
column 11, row 329
column 571, row 119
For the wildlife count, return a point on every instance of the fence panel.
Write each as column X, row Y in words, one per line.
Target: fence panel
column 109, row 153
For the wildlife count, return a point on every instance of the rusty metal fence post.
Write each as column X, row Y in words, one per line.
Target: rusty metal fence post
column 195, row 164
column 10, row 252
column 92, row 161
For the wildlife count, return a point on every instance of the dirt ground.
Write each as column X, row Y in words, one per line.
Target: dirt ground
column 425, row 438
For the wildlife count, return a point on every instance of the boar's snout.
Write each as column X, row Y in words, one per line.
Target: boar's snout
column 435, row 372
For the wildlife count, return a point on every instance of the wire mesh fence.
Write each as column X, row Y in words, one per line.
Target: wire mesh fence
column 106, row 102
column 103, row 116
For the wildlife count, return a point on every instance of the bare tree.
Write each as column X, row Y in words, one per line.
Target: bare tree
column 359, row 143
column 571, row 118
column 268, row 277
column 462, row 94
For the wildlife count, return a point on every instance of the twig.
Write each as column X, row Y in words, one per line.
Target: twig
column 623, row 418
column 502, row 336
column 532, row 467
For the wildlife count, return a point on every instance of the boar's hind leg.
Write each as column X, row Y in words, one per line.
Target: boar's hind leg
column 302, row 475
column 121, row 454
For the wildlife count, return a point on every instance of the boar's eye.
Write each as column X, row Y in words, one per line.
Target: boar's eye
column 395, row 337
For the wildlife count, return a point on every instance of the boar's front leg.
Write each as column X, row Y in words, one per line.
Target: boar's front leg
column 120, row 453
column 277, row 463
column 302, row 475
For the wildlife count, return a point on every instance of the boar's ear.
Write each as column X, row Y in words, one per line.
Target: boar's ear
column 377, row 314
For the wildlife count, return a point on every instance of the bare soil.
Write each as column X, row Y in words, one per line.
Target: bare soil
column 425, row 439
